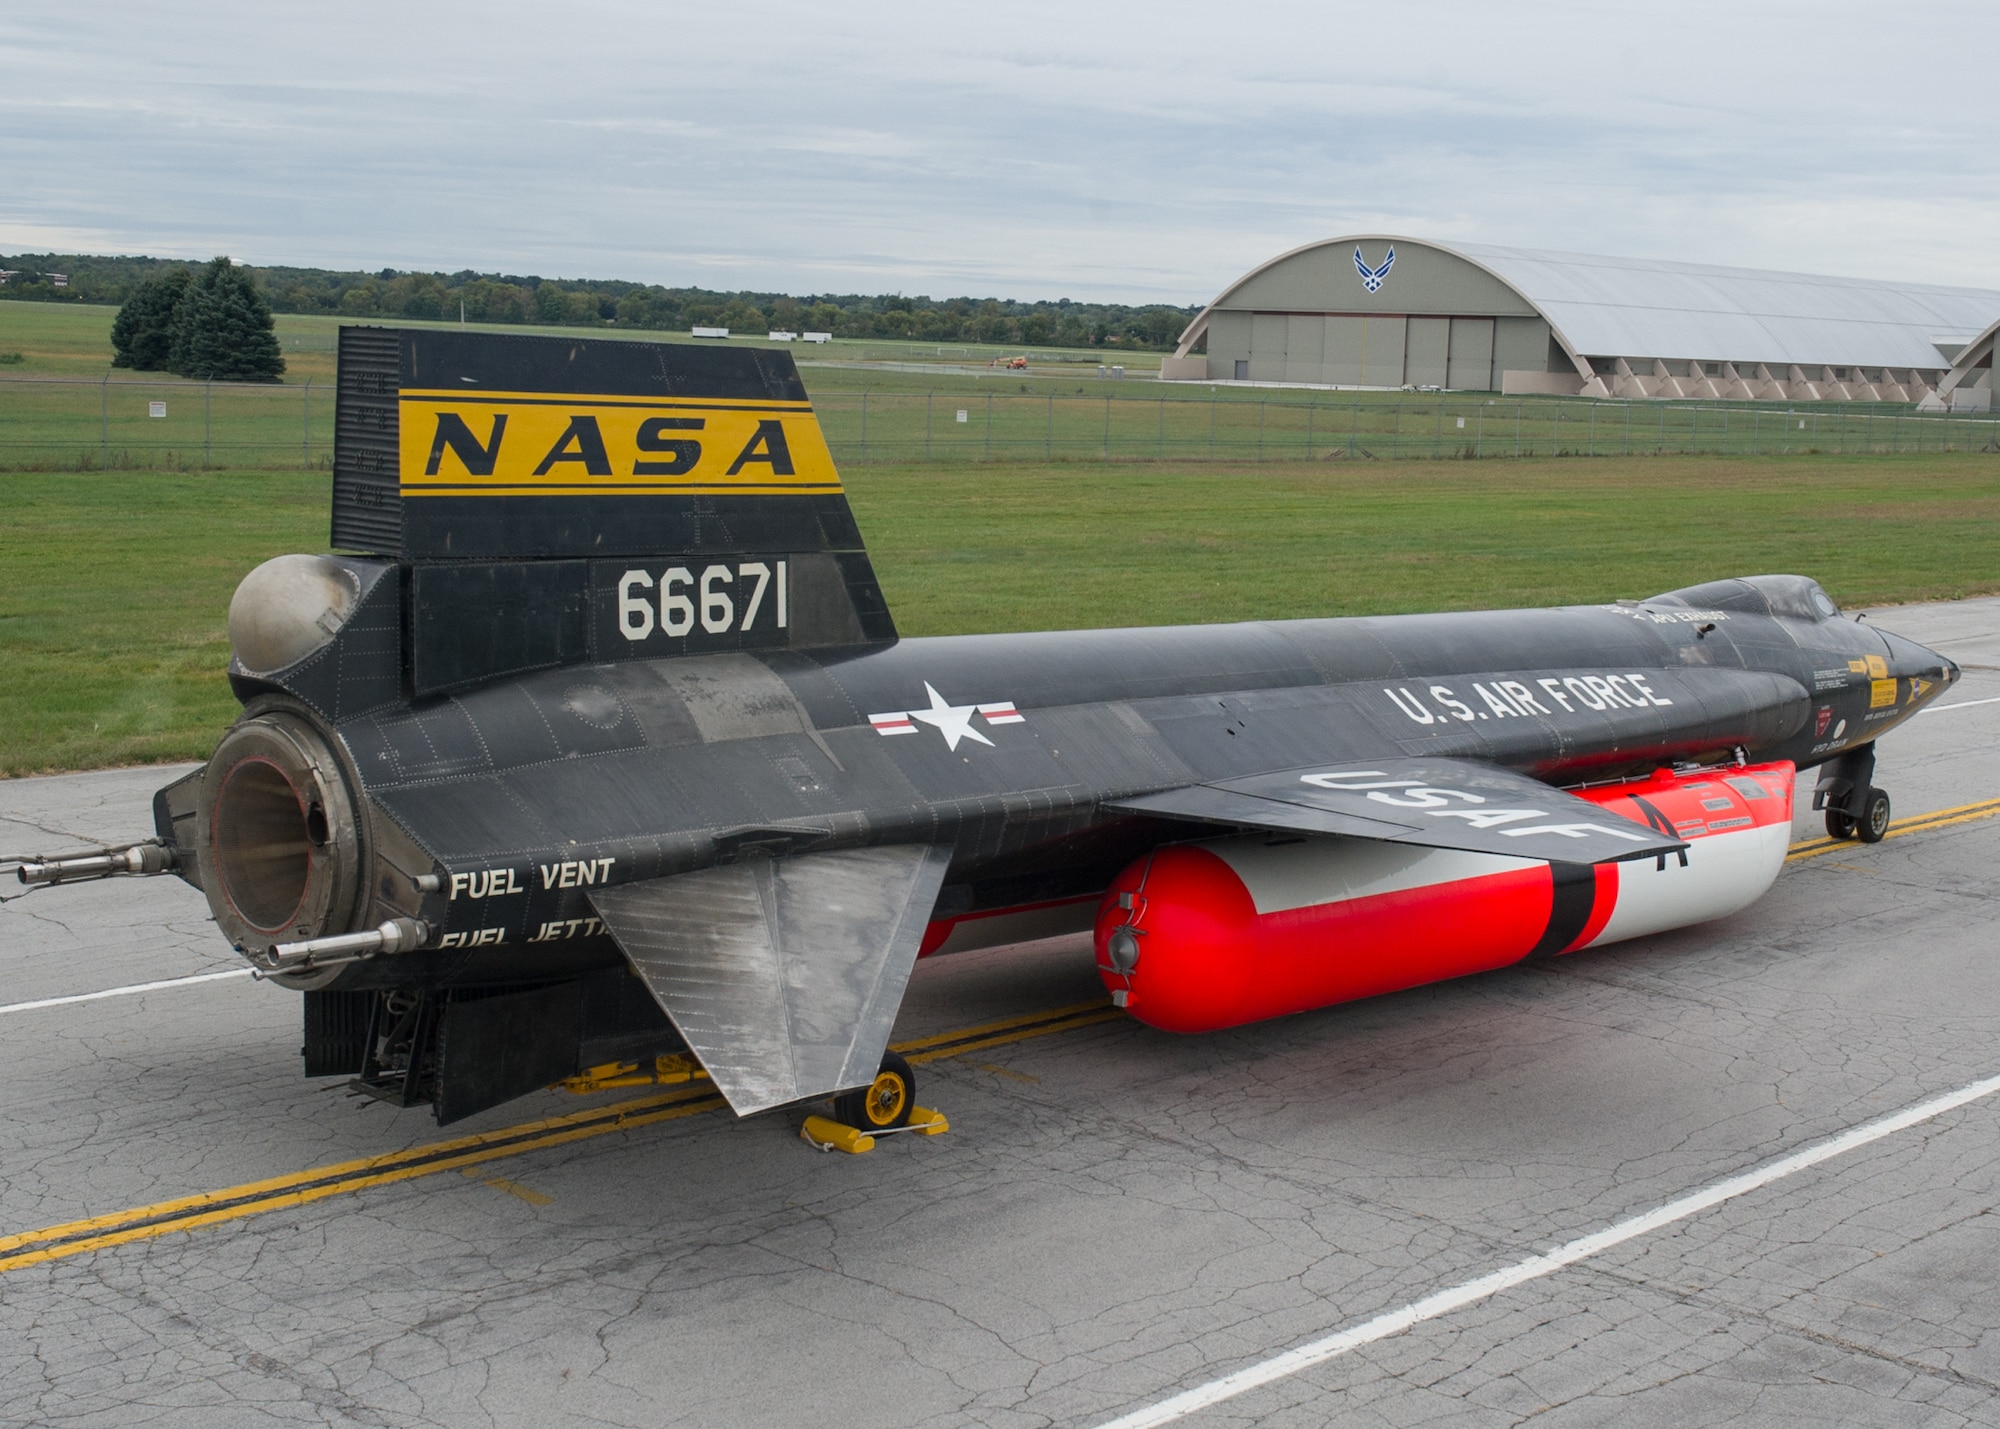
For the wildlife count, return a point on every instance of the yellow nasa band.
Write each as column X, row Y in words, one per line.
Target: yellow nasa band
column 455, row 443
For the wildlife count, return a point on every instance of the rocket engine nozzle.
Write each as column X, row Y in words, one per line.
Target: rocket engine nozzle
column 278, row 834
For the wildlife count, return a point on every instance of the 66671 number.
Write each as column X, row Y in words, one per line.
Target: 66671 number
column 721, row 598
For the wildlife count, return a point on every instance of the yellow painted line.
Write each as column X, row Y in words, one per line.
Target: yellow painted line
column 1100, row 1012
column 345, row 1178
column 459, row 397
column 1921, row 823
column 187, row 1213
column 512, row 1188
column 705, row 488
column 299, row 1188
column 926, row 1047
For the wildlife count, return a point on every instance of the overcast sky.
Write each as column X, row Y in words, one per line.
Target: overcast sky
column 1012, row 147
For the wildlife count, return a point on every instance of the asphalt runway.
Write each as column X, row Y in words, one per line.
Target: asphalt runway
column 1117, row 1217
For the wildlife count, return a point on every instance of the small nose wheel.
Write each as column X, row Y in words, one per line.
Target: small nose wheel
column 1870, row 826
column 1874, row 820
column 884, row 1104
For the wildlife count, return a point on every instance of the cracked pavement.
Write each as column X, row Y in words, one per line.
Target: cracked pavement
column 1117, row 1213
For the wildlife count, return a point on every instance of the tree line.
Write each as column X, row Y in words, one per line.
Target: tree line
column 510, row 298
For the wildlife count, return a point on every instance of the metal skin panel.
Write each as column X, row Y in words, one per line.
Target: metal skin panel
column 784, row 975
column 1438, row 803
column 493, row 1049
column 1094, row 727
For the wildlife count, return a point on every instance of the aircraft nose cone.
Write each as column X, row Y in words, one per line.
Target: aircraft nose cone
column 1913, row 661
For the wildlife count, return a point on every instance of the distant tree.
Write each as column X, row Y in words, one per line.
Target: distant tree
column 507, row 304
column 223, row 330
column 416, row 295
column 739, row 316
column 142, row 335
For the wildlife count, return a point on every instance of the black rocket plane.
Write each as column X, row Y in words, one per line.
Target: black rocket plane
column 594, row 745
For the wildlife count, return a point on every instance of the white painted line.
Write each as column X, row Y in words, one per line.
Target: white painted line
column 136, row 987
column 1535, row 1267
column 1961, row 705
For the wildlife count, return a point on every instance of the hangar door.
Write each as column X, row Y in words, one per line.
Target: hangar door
column 1354, row 349
column 1470, row 364
column 1429, row 348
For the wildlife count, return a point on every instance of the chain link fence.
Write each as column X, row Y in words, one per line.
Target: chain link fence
column 79, row 424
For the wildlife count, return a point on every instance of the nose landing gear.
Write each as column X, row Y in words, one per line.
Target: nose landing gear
column 1854, row 807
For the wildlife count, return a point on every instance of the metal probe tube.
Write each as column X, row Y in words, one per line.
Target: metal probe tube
column 145, row 858
column 398, row 935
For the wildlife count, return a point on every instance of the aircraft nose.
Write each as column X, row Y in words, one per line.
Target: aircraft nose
column 1913, row 661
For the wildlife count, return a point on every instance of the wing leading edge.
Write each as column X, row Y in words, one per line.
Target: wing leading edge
column 1437, row 803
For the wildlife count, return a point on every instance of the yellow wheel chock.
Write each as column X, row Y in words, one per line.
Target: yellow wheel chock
column 824, row 1134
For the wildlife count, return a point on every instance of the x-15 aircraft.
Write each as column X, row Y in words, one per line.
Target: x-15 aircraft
column 596, row 745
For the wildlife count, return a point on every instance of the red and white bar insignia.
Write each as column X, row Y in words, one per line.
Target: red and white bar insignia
column 952, row 721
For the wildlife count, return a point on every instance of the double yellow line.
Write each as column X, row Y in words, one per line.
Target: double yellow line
column 344, row 1178
column 1919, row 824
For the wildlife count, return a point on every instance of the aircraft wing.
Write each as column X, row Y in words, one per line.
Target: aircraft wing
column 783, row 974
column 1439, row 803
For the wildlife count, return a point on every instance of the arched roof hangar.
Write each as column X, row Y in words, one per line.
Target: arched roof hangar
column 1488, row 318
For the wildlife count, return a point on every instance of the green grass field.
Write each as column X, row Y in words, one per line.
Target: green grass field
column 907, row 402
column 114, row 587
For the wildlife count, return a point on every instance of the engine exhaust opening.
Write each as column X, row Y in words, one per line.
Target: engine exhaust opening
column 279, row 834
column 263, row 844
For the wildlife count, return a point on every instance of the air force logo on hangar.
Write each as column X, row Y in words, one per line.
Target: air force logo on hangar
column 1373, row 278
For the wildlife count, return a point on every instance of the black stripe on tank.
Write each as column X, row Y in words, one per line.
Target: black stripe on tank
column 1572, row 899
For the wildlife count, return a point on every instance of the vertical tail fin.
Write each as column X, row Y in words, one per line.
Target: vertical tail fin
column 555, row 500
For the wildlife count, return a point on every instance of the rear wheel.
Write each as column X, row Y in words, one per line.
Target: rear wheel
column 1839, row 824
column 885, row 1103
column 1874, row 821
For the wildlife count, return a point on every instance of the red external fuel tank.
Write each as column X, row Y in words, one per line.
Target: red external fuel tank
column 1238, row 929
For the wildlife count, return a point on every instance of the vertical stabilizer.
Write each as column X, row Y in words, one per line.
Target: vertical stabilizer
column 555, row 500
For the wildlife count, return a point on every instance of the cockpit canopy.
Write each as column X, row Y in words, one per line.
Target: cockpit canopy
column 1798, row 597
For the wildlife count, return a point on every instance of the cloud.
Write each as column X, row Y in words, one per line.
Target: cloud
column 1038, row 149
